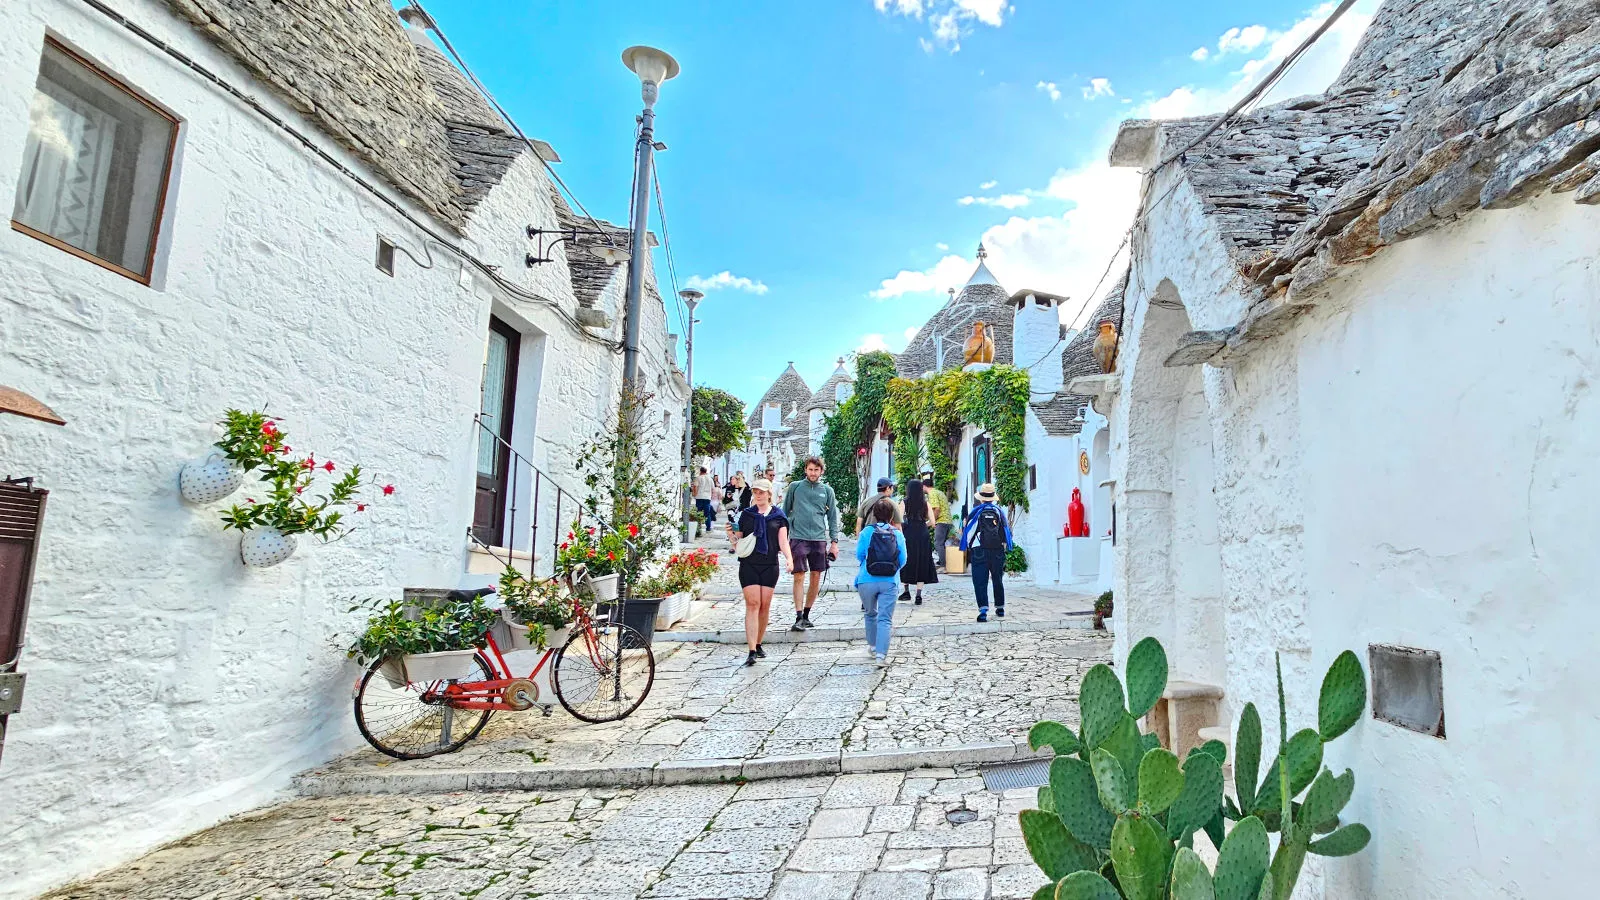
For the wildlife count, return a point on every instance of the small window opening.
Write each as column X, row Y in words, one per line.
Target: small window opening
column 385, row 259
column 1041, row 302
column 1408, row 688
column 1033, row 478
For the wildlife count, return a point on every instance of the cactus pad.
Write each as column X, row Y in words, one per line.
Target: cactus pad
column 1344, row 695
column 1099, row 705
column 1190, row 879
column 1086, row 886
column 1347, row 840
column 1147, row 676
column 1047, row 799
column 1077, row 802
column 1160, row 781
column 1201, row 797
column 1054, row 735
column 1247, row 756
column 1127, row 745
column 1328, row 795
column 1214, row 748
column 1111, row 782
column 1053, row 847
column 1304, row 754
column 1140, row 854
column 1242, row 861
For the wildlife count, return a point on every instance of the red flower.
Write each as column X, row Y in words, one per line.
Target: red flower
column 673, row 561
column 300, row 490
column 611, row 556
column 328, row 465
column 569, row 535
column 361, row 507
column 388, row 489
column 309, row 462
column 269, row 427
column 269, row 447
column 591, row 531
column 248, row 500
column 633, row 530
column 564, row 543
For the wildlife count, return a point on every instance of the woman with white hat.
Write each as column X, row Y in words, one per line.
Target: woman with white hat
column 986, row 535
column 761, row 536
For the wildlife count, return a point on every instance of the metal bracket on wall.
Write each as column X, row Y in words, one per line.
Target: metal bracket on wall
column 11, row 692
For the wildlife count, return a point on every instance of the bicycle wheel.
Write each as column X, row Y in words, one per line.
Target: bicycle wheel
column 399, row 722
column 606, row 678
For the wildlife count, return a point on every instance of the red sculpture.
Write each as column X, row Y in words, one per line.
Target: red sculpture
column 1077, row 522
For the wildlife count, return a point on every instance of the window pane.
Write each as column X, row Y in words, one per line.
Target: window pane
column 95, row 164
column 493, row 402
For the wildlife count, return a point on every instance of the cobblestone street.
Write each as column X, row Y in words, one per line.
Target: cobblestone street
column 884, row 835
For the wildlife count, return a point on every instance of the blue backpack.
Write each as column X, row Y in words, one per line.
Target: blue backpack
column 883, row 552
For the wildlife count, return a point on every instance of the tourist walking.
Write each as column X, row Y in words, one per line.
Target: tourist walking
column 758, row 568
column 939, row 508
column 813, row 513
column 881, row 551
column 986, row 537
column 778, row 487
column 866, row 511
column 735, row 497
column 704, row 490
column 918, row 565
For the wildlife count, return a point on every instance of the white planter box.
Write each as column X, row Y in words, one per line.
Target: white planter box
column 521, row 641
column 674, row 609
column 604, row 588
column 423, row 668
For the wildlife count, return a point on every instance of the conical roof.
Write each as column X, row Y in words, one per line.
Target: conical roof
column 981, row 300
column 824, row 397
column 789, row 392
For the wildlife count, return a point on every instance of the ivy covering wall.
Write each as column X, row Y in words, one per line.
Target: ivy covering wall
column 851, row 426
column 995, row 400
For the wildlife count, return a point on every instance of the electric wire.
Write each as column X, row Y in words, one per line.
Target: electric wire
column 260, row 109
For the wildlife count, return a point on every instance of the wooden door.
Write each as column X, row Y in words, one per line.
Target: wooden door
column 497, row 401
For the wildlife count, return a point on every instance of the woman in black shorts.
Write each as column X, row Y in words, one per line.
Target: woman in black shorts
column 758, row 572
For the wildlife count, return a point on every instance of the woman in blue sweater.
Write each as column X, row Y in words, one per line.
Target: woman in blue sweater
column 877, row 590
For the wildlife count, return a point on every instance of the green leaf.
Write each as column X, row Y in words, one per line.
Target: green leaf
column 1328, row 795
column 1147, row 676
column 1127, row 745
column 1247, row 756
column 1053, row 847
column 1045, row 892
column 1054, row 735
column 1215, row 830
column 1149, row 741
column 1347, row 840
column 1344, row 695
column 1140, row 855
column 1190, row 879
column 1100, row 705
column 1086, row 886
column 1214, row 748
column 1077, row 802
column 1201, row 798
column 1266, row 888
column 1047, row 799
column 1160, row 780
column 1304, row 753
column 1111, row 782
column 1242, row 861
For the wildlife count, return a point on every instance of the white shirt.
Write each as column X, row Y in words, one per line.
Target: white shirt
column 704, row 488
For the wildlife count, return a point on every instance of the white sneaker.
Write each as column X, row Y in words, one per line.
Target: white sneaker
column 882, row 661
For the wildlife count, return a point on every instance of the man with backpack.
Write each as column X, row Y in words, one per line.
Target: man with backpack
column 881, row 550
column 986, row 537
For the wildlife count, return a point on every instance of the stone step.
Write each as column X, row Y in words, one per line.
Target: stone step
column 852, row 632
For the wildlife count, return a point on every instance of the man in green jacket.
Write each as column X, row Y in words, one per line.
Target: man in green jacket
column 813, row 515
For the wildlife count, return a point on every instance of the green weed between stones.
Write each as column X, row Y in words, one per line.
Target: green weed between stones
column 1118, row 819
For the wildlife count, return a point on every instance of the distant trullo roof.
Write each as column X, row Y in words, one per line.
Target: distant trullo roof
column 982, row 299
column 789, row 392
column 823, row 399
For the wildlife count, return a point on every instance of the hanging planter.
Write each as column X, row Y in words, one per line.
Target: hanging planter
column 604, row 587
column 425, row 668
column 263, row 547
column 210, row 479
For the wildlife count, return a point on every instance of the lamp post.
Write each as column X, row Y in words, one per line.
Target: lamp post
column 653, row 67
column 692, row 298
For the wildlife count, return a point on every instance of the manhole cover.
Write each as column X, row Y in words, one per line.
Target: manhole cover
column 961, row 816
column 1008, row 776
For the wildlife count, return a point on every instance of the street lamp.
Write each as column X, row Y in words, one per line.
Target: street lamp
column 653, row 67
column 692, row 298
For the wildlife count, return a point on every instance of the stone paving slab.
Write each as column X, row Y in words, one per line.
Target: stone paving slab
column 844, row 837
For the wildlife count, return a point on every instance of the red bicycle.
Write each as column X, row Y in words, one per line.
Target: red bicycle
column 601, row 673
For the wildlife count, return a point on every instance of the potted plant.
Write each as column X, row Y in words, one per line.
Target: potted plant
column 270, row 526
column 419, row 646
column 1102, row 610
column 538, row 612
column 594, row 558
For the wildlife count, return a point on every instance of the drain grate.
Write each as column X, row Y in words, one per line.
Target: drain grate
column 1008, row 776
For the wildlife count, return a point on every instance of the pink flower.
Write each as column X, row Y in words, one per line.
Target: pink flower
column 328, row 465
column 269, row 447
column 388, row 489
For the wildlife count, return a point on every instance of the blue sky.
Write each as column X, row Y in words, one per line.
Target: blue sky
column 840, row 161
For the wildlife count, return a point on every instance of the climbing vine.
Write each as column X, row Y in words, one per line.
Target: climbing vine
column 850, row 428
column 995, row 399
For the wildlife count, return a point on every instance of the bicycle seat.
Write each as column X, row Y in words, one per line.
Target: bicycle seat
column 468, row 596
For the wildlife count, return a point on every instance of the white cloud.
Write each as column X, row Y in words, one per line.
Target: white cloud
column 1049, row 87
column 941, row 246
column 948, row 20
column 1004, row 201
column 871, row 342
column 911, row 332
column 1311, row 74
column 1201, row 54
column 725, row 280
column 987, row 185
column 1243, row 40
column 1063, row 254
column 1098, row 87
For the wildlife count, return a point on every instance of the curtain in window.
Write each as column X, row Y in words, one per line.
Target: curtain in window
column 496, row 376
column 65, row 168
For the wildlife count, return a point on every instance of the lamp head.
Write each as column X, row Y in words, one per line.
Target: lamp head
column 691, row 296
column 612, row 255
column 652, row 66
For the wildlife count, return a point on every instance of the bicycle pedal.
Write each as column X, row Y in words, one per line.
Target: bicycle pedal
column 548, row 709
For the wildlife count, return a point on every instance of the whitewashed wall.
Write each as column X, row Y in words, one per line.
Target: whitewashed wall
column 168, row 685
column 1413, row 465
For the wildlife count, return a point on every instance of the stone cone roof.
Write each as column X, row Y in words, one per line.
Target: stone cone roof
column 789, row 392
column 823, row 399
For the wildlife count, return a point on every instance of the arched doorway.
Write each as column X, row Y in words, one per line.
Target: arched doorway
column 1171, row 570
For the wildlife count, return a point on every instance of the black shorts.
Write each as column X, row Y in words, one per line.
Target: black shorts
column 758, row 574
column 809, row 556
